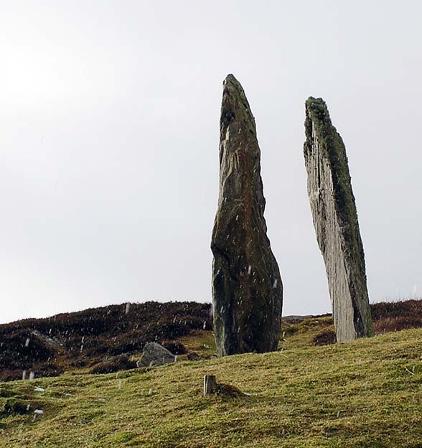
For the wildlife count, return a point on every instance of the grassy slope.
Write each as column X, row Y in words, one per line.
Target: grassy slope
column 364, row 394
column 83, row 339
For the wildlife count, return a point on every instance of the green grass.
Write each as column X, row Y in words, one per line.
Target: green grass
column 366, row 394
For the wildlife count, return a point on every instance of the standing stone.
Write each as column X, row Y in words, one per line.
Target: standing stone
column 336, row 223
column 247, row 287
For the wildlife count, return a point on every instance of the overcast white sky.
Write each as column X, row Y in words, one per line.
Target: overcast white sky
column 109, row 126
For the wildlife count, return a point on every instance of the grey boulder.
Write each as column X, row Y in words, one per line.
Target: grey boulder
column 155, row 354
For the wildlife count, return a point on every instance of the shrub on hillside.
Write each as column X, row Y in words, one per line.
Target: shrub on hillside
column 175, row 347
column 395, row 316
column 326, row 337
column 113, row 364
column 20, row 349
column 13, row 406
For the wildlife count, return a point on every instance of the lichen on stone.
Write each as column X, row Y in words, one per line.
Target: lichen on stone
column 247, row 287
column 336, row 222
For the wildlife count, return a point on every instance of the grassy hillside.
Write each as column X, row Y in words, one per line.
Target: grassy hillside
column 95, row 338
column 366, row 394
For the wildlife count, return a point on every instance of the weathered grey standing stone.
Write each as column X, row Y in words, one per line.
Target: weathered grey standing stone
column 336, row 223
column 154, row 355
column 247, row 288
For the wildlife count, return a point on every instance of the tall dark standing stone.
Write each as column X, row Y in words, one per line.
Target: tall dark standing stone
column 336, row 223
column 247, row 288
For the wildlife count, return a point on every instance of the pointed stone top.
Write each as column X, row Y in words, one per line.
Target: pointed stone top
column 230, row 79
column 318, row 126
column 235, row 103
column 317, row 109
column 311, row 100
column 233, row 86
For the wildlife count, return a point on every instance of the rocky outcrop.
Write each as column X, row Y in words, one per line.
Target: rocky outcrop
column 155, row 354
column 247, row 287
column 336, row 223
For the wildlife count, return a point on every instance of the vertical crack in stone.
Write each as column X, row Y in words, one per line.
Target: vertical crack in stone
column 336, row 223
column 247, row 287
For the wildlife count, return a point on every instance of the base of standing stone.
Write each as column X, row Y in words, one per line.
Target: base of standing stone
column 211, row 387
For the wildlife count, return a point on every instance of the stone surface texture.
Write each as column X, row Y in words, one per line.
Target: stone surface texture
column 247, row 287
column 155, row 354
column 336, row 223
